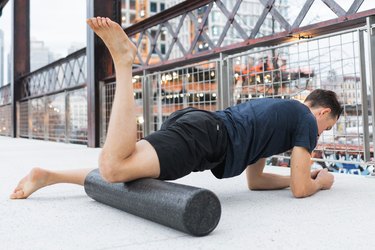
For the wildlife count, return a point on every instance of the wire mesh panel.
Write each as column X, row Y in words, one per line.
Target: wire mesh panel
column 60, row 117
column 5, row 111
column 107, row 96
column 292, row 71
column 54, row 104
column 5, row 95
column 37, row 112
column 138, row 99
column 77, row 116
column 5, row 120
column 56, row 118
column 24, row 116
column 191, row 86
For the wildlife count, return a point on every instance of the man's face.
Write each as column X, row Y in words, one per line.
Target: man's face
column 325, row 120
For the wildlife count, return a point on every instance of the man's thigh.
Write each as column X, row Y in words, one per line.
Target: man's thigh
column 143, row 162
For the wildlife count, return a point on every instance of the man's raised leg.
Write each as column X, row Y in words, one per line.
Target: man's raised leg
column 121, row 136
column 122, row 157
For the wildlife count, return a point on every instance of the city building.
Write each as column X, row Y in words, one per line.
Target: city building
column 39, row 55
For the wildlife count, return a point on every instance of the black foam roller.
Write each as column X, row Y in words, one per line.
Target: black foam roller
column 189, row 209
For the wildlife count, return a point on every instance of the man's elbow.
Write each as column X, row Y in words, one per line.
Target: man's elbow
column 254, row 184
column 253, row 187
column 299, row 195
column 299, row 192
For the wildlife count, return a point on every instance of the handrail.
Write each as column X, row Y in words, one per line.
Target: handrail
column 76, row 54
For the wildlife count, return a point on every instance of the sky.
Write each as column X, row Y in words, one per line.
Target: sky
column 58, row 23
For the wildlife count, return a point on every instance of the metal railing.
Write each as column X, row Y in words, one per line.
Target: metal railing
column 54, row 101
column 189, row 55
column 289, row 71
column 195, row 31
column 5, row 111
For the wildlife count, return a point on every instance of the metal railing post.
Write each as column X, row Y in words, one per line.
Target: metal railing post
column 67, row 117
column 101, row 113
column 147, row 108
column 46, row 134
column 224, row 88
column 159, row 103
column 29, row 119
column 20, row 54
column 371, row 62
column 99, row 67
column 365, row 113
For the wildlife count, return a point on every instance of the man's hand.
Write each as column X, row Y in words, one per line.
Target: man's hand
column 302, row 181
column 325, row 179
column 315, row 173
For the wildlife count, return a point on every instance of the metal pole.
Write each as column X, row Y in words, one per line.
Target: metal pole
column 20, row 55
column 101, row 113
column 30, row 118
column 18, row 107
column 146, row 98
column 99, row 67
column 365, row 113
column 160, row 106
column 224, row 90
column 185, row 83
column 46, row 118
column 67, row 117
column 371, row 62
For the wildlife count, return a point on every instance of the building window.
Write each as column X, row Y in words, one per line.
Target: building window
column 153, row 7
column 162, row 49
column 162, row 6
column 132, row 18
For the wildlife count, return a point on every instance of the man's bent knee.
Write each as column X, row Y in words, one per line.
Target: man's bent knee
column 109, row 169
column 143, row 163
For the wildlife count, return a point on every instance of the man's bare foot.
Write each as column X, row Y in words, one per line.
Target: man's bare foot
column 36, row 179
column 114, row 37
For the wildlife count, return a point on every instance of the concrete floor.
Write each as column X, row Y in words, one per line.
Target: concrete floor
column 63, row 217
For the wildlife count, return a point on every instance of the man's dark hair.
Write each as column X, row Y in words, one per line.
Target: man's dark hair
column 326, row 99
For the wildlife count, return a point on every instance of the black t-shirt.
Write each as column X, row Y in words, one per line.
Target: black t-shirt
column 264, row 127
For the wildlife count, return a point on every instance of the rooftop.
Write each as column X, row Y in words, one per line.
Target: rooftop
column 63, row 217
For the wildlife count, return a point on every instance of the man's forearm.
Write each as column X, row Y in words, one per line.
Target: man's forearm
column 268, row 181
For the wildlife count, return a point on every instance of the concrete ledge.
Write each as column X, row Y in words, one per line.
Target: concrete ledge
column 63, row 217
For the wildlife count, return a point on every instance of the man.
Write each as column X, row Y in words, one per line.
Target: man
column 226, row 142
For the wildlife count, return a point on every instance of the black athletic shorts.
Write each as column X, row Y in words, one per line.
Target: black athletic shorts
column 190, row 140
